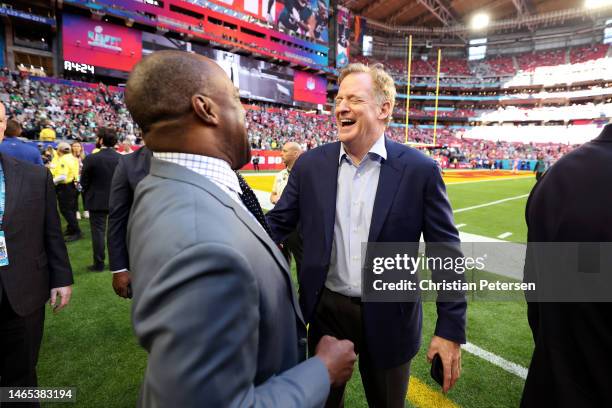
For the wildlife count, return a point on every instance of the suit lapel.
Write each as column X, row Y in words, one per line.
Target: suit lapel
column 174, row 171
column 388, row 182
column 328, row 187
column 13, row 177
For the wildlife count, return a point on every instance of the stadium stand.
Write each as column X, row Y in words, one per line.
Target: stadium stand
column 76, row 109
column 492, row 67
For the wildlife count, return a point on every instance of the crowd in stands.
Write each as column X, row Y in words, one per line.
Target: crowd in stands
column 533, row 60
column 546, row 113
column 50, row 109
column 400, row 112
column 496, row 68
column 72, row 112
column 588, row 53
column 269, row 128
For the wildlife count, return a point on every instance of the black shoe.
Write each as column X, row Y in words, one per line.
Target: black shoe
column 95, row 268
column 73, row 237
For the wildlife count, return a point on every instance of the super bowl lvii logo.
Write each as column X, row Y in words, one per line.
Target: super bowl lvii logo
column 311, row 84
column 100, row 40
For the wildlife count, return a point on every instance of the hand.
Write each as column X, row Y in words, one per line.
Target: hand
column 450, row 353
column 338, row 356
column 122, row 284
column 64, row 293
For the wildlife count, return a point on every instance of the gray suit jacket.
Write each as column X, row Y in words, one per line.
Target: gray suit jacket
column 213, row 301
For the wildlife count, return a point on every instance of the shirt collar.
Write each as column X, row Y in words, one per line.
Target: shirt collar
column 215, row 169
column 378, row 151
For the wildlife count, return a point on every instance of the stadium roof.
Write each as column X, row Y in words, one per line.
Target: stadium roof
column 447, row 13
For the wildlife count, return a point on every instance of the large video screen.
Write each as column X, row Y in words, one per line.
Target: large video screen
column 100, row 44
column 258, row 80
column 343, row 32
column 309, row 88
column 308, row 18
column 304, row 17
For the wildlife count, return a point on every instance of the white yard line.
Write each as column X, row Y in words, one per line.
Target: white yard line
column 491, row 203
column 454, row 183
column 494, row 359
column 460, row 225
column 518, row 370
column 504, row 235
column 263, row 173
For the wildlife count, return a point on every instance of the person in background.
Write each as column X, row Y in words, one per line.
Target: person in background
column 48, row 155
column 293, row 244
column 540, row 167
column 96, row 179
column 515, row 165
column 77, row 151
column 65, row 171
column 34, row 267
column 126, row 147
column 132, row 168
column 14, row 147
column 47, row 134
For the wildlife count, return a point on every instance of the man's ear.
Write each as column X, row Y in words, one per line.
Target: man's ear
column 385, row 110
column 205, row 109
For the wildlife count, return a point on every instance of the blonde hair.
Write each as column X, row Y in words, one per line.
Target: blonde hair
column 384, row 86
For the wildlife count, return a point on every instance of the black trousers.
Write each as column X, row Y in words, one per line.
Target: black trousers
column 76, row 202
column 293, row 245
column 20, row 339
column 340, row 316
column 98, row 221
column 67, row 201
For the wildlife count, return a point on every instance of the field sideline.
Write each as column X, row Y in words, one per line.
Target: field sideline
column 90, row 345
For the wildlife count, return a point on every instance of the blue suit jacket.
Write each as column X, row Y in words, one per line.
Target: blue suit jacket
column 11, row 146
column 410, row 200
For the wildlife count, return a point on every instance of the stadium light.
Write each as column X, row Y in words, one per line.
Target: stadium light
column 595, row 4
column 480, row 21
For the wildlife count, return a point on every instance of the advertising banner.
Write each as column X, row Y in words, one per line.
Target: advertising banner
column 100, row 44
column 268, row 160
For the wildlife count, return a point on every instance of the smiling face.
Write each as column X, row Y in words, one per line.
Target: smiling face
column 359, row 116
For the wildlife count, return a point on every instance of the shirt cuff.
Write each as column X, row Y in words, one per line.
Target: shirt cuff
column 120, row 270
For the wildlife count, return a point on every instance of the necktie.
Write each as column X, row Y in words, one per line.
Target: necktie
column 250, row 202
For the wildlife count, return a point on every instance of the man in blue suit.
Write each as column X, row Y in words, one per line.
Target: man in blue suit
column 11, row 146
column 366, row 188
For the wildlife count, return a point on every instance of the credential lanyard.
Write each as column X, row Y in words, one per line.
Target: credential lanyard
column 2, row 196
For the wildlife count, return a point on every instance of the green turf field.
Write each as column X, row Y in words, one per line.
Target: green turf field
column 90, row 345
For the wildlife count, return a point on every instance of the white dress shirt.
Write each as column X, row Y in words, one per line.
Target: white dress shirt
column 357, row 187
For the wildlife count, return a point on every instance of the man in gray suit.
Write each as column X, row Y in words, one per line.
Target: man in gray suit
column 213, row 300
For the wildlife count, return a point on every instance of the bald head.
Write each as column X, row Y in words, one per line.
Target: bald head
column 161, row 86
column 290, row 152
column 186, row 103
column 293, row 147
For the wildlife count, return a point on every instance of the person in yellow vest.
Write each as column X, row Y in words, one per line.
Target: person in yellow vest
column 47, row 134
column 65, row 171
